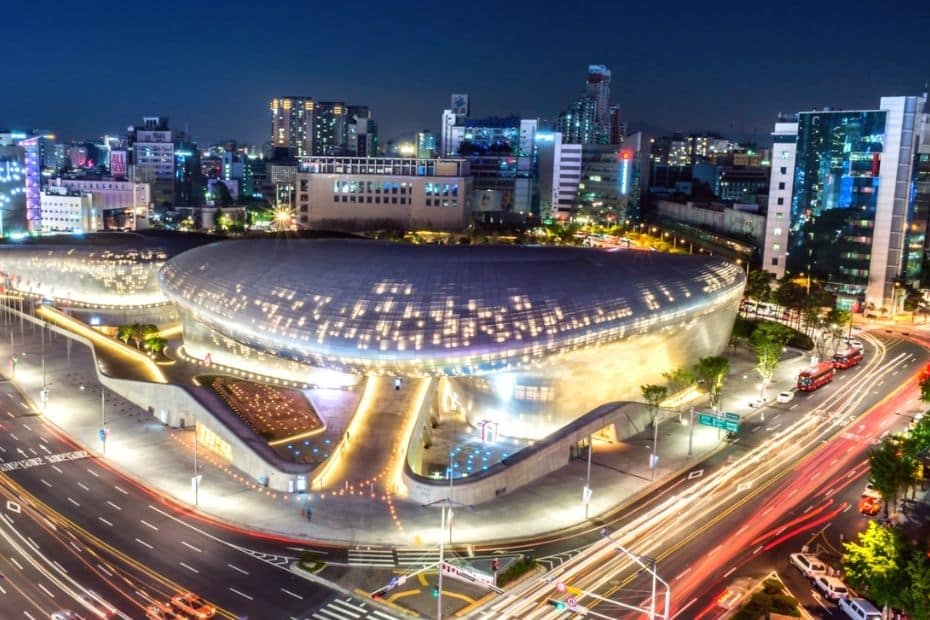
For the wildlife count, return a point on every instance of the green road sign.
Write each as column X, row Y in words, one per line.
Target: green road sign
column 729, row 422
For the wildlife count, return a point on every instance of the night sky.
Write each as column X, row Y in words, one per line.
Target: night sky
column 84, row 69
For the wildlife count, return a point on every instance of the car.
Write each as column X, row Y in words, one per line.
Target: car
column 860, row 609
column 809, row 564
column 785, row 397
column 833, row 588
column 65, row 614
column 870, row 506
column 158, row 612
column 194, row 606
column 856, row 344
column 871, row 491
column 756, row 403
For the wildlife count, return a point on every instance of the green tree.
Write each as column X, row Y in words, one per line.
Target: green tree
column 925, row 390
column 759, row 285
column 124, row 333
column 653, row 395
column 873, row 564
column 679, row 379
column 712, row 372
column 889, row 470
column 916, row 597
column 155, row 344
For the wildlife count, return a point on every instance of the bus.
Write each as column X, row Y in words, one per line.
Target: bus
column 847, row 359
column 816, row 376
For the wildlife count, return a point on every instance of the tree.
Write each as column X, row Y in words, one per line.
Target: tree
column 678, row 379
column 916, row 597
column 653, row 395
column 124, row 333
column 873, row 564
column 759, row 285
column 155, row 344
column 925, row 390
column 712, row 372
column 889, row 470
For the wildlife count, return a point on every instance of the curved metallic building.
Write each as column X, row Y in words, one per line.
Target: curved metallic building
column 365, row 306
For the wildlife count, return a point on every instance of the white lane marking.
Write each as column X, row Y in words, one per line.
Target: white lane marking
column 32, row 543
column 34, row 453
column 190, row 546
column 679, row 576
column 61, row 569
column 793, row 406
column 83, row 486
column 47, row 451
column 27, row 427
column 105, row 570
column 78, row 549
column 74, row 502
column 18, row 565
column 190, row 568
column 43, row 439
column 93, row 473
column 28, row 615
column 55, row 467
column 114, row 505
column 13, row 506
column 690, row 603
column 729, row 572
column 15, row 438
column 147, row 524
column 46, row 590
column 297, row 596
column 236, row 568
column 105, row 521
column 242, row 594
column 758, row 549
column 142, row 542
column 124, row 492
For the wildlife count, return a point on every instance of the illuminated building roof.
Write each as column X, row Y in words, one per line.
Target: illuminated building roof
column 426, row 309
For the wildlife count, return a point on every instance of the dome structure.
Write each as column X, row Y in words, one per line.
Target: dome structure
column 367, row 306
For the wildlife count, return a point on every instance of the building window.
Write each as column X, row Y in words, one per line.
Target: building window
column 780, row 201
column 776, row 247
column 781, row 185
column 783, row 170
column 777, row 232
column 368, row 199
column 335, row 198
column 774, row 261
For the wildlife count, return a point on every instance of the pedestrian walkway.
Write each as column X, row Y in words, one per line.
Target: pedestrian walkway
column 145, row 449
column 350, row 609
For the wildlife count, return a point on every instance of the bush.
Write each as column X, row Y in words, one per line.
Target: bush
column 311, row 561
column 744, row 329
column 772, row 598
column 515, row 571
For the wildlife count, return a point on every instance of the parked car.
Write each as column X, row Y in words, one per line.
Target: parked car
column 860, row 609
column 856, row 344
column 871, row 491
column 809, row 564
column 870, row 506
column 785, row 397
column 833, row 588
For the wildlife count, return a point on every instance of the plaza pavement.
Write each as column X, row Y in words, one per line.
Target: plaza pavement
column 162, row 458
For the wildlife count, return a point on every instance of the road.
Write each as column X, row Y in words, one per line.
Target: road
column 77, row 535
column 702, row 527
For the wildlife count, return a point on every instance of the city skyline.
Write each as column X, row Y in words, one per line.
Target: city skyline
column 668, row 75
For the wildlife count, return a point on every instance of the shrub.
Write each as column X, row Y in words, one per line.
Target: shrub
column 515, row 571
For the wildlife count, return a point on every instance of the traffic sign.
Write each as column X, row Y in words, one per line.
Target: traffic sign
column 571, row 602
column 560, row 587
column 729, row 423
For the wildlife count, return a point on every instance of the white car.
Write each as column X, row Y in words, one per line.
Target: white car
column 785, row 397
column 871, row 491
column 809, row 564
column 856, row 344
column 756, row 403
column 833, row 588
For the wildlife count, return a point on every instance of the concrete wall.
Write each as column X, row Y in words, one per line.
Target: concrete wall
column 626, row 419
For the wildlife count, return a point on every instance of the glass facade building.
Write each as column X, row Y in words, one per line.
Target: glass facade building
column 836, row 181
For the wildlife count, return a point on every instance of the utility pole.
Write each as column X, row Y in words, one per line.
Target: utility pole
column 103, row 418
column 442, row 539
column 655, row 446
column 691, row 433
column 651, row 612
column 196, row 476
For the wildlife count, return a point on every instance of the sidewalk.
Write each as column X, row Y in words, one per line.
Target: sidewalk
column 143, row 448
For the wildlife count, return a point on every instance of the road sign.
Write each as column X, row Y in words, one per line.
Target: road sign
column 726, row 423
column 102, row 434
column 731, row 416
column 468, row 575
column 560, row 587
column 571, row 602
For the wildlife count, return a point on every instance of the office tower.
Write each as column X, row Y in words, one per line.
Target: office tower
column 559, row 170
column 292, row 126
column 591, row 118
column 426, row 144
column 153, row 158
column 841, row 205
column 598, row 89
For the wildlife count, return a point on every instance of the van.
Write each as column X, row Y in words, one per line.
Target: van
column 860, row 609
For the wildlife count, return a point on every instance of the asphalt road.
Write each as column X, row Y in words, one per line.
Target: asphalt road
column 74, row 524
column 706, row 526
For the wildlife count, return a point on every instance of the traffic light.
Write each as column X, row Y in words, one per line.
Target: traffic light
column 560, row 605
column 435, row 591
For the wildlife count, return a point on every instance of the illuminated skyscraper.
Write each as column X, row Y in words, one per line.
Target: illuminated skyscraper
column 292, row 125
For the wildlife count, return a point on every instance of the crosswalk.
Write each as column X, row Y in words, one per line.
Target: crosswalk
column 350, row 609
column 417, row 557
column 383, row 558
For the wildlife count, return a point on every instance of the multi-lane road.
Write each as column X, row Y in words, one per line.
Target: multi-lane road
column 77, row 535
column 780, row 477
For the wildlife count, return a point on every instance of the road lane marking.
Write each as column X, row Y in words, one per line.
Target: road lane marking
column 236, row 568
column 55, row 467
column 15, row 438
column 60, row 568
column 297, row 596
column 689, row 604
column 83, row 486
column 758, row 549
column 147, row 524
column 729, row 572
column 793, row 406
column 74, row 502
column 105, row 570
column 46, row 590
column 93, row 473
column 18, row 565
column 190, row 568
column 32, row 543
column 114, row 505
column 43, row 439
column 78, row 549
column 190, row 546
column 242, row 594
column 123, row 491
column 105, row 521
column 677, row 577
column 47, row 451
column 142, row 542
column 27, row 427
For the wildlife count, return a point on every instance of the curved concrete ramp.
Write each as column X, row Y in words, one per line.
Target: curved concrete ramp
column 371, row 454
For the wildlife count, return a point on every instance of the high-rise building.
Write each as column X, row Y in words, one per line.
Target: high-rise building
column 610, row 187
column 292, row 126
column 32, row 166
column 592, row 119
column 559, row 170
column 153, row 159
column 426, row 144
column 841, row 203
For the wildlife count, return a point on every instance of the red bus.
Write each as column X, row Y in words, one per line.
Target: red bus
column 847, row 359
column 816, row 376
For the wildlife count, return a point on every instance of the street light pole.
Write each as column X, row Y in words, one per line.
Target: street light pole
column 655, row 441
column 196, row 477
column 442, row 538
column 691, row 433
column 586, row 493
column 103, row 417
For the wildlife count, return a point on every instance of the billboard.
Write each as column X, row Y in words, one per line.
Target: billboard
column 460, row 105
column 118, row 163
